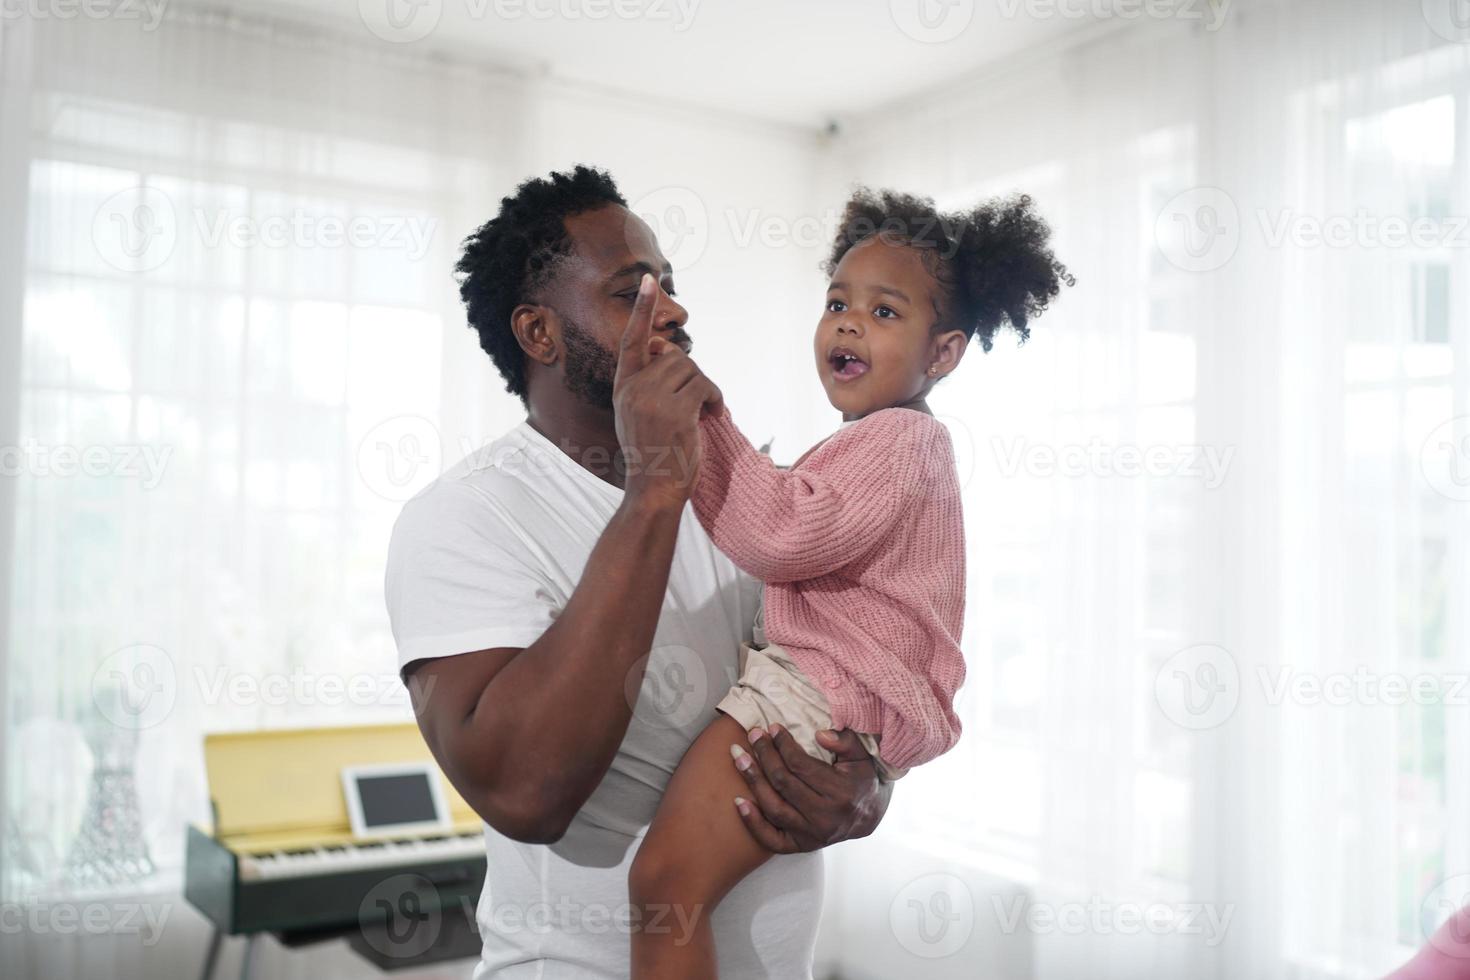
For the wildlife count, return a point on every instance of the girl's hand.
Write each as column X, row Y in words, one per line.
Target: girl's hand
column 802, row 803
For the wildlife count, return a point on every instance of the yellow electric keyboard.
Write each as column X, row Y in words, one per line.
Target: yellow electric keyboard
column 282, row 857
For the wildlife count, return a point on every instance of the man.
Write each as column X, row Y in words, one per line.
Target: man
column 565, row 625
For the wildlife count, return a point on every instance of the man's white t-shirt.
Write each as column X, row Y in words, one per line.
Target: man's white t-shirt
column 487, row 556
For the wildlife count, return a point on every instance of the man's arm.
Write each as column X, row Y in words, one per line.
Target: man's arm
column 526, row 735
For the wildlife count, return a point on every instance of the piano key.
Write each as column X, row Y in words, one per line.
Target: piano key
column 351, row 857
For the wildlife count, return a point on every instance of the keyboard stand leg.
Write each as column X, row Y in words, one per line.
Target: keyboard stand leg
column 212, row 956
column 246, row 960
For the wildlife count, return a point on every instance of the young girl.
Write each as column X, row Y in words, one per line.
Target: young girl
column 860, row 544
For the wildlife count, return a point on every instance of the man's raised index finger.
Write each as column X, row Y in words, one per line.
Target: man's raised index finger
column 633, row 353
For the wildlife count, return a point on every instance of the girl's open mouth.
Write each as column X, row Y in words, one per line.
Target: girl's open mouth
column 846, row 365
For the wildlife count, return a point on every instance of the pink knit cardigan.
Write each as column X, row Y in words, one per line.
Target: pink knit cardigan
column 862, row 550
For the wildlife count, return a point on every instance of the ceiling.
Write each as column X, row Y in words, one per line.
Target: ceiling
column 802, row 62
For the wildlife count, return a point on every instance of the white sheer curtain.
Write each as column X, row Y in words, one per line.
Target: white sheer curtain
column 1230, row 459
column 1217, row 508
column 239, row 328
column 230, row 346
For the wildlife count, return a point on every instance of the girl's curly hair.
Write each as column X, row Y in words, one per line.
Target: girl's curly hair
column 994, row 262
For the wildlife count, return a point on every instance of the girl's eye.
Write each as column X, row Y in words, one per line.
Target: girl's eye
column 885, row 312
column 835, row 306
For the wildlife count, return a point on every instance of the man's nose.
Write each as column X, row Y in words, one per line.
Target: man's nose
column 669, row 315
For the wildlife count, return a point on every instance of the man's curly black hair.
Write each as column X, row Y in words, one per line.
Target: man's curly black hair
column 994, row 262
column 515, row 253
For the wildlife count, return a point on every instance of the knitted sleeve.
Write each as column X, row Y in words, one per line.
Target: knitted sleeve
column 790, row 525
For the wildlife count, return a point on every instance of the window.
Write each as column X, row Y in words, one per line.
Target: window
column 210, row 344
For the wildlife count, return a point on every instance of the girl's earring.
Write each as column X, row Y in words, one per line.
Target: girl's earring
column 933, row 370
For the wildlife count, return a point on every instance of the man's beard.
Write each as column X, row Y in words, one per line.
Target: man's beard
column 590, row 367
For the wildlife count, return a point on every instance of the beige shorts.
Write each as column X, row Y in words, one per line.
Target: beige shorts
column 772, row 689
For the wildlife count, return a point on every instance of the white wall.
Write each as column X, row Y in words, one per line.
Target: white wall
column 735, row 207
